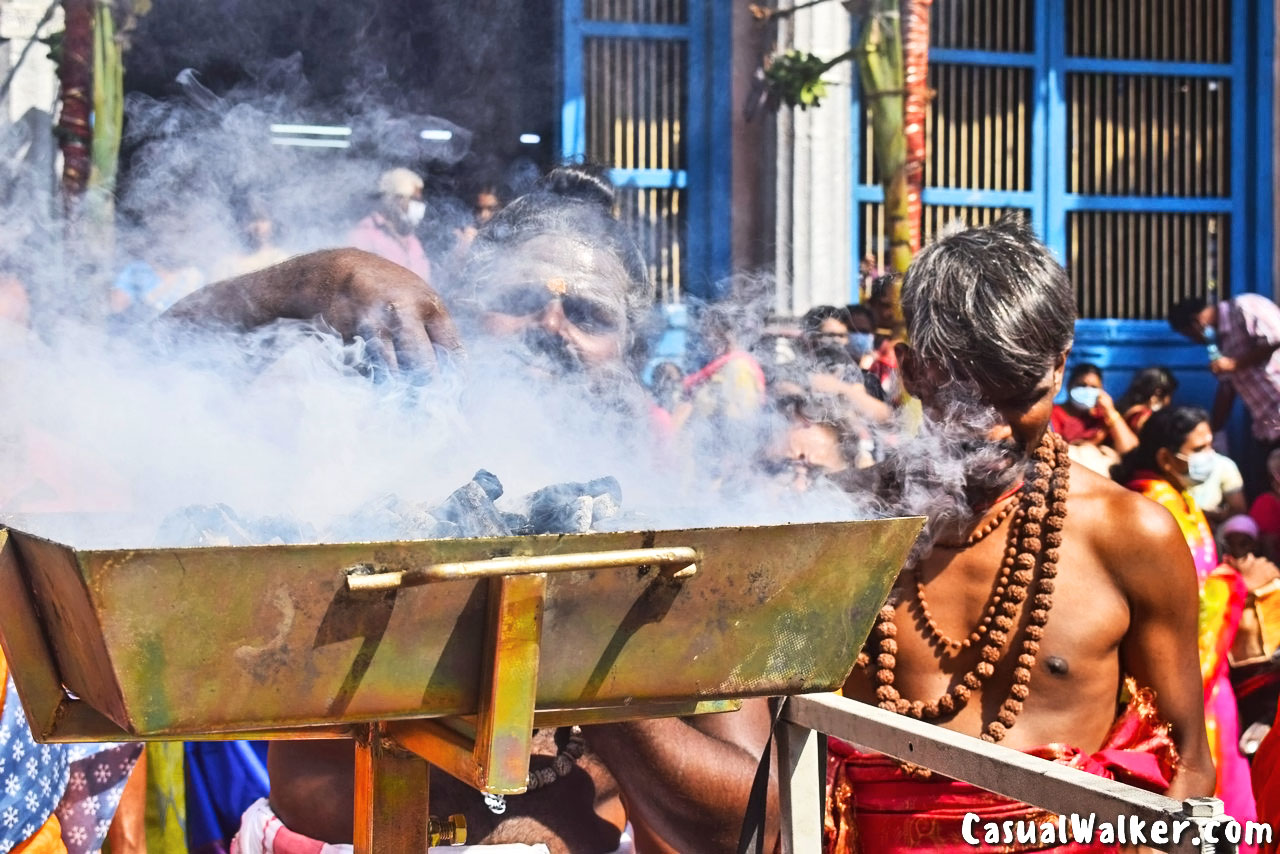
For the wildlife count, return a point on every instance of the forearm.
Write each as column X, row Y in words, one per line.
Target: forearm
column 245, row 302
column 687, row 787
column 128, row 831
column 1195, row 776
column 1222, row 402
column 1123, row 438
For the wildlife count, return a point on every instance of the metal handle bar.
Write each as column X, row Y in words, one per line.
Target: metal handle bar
column 679, row 556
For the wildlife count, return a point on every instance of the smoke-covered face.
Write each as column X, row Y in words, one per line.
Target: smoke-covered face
column 561, row 299
column 804, row 454
column 259, row 232
column 995, row 431
column 406, row 212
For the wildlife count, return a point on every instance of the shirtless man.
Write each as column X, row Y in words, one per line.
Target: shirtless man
column 990, row 317
column 553, row 271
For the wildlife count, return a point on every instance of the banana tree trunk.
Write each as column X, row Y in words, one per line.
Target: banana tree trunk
column 108, row 117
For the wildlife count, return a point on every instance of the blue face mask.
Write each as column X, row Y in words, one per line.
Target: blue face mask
column 1084, row 396
column 861, row 343
column 1200, row 466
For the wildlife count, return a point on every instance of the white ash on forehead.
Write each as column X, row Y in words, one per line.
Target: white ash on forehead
column 469, row 511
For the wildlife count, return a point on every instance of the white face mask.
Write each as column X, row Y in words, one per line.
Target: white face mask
column 416, row 212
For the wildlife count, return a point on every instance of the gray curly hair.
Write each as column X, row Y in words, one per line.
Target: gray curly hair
column 991, row 305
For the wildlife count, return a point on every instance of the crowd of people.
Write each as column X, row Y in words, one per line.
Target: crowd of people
column 1102, row 592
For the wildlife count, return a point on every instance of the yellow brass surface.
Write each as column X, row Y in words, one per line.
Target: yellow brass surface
column 509, row 687
column 683, row 559
column 135, row 644
column 392, row 789
column 450, row 831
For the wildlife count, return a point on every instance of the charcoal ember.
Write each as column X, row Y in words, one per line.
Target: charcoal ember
column 471, row 508
column 281, row 530
column 388, row 517
column 205, row 525
column 517, row 522
column 569, row 508
column 603, row 509
column 489, row 482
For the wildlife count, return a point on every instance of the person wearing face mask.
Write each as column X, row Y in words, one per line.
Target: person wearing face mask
column 1150, row 390
column 389, row 230
column 1242, row 340
column 1090, row 423
column 1175, row 453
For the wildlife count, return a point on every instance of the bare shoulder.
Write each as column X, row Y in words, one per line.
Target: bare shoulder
column 1135, row 539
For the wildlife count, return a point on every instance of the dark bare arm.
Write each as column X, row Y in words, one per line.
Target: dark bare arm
column 355, row 292
column 1151, row 563
column 1222, row 401
column 687, row 779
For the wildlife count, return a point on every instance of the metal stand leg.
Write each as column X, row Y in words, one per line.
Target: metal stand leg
column 802, row 783
column 392, row 789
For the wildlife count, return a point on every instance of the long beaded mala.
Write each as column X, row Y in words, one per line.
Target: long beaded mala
column 570, row 745
column 1034, row 539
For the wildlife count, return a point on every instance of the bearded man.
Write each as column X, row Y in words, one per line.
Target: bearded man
column 553, row 279
column 1044, row 589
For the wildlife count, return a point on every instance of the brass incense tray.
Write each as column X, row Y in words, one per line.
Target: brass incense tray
column 486, row 638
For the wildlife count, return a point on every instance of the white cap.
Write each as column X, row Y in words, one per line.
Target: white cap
column 400, row 182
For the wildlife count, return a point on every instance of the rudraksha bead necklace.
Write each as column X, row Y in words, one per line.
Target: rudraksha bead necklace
column 1034, row 540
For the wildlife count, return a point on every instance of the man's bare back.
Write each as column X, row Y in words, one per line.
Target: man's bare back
column 1125, row 582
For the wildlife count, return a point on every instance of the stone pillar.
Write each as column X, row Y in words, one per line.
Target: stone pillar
column 815, row 173
column 28, row 151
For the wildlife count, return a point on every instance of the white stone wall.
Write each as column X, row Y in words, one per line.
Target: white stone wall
column 814, row 175
column 28, row 151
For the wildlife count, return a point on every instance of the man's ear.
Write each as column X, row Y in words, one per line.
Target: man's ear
column 909, row 368
column 1059, row 369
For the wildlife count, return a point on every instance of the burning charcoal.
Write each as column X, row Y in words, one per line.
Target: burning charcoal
column 489, row 483
column 605, row 486
column 518, row 523
column 386, row 518
column 204, row 525
column 471, row 508
column 273, row 530
column 444, row 531
column 569, row 508
column 603, row 508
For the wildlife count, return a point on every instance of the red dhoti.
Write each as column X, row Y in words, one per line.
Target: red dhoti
column 874, row 806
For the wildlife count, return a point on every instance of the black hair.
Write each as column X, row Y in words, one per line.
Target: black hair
column 1184, row 312
column 1145, row 385
column 881, row 287
column 860, row 309
column 1167, row 429
column 813, row 318
column 989, row 306
column 1082, row 370
column 588, row 182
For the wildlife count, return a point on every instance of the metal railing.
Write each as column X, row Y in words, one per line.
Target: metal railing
column 808, row 719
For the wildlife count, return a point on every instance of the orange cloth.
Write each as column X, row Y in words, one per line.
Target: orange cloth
column 47, row 840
